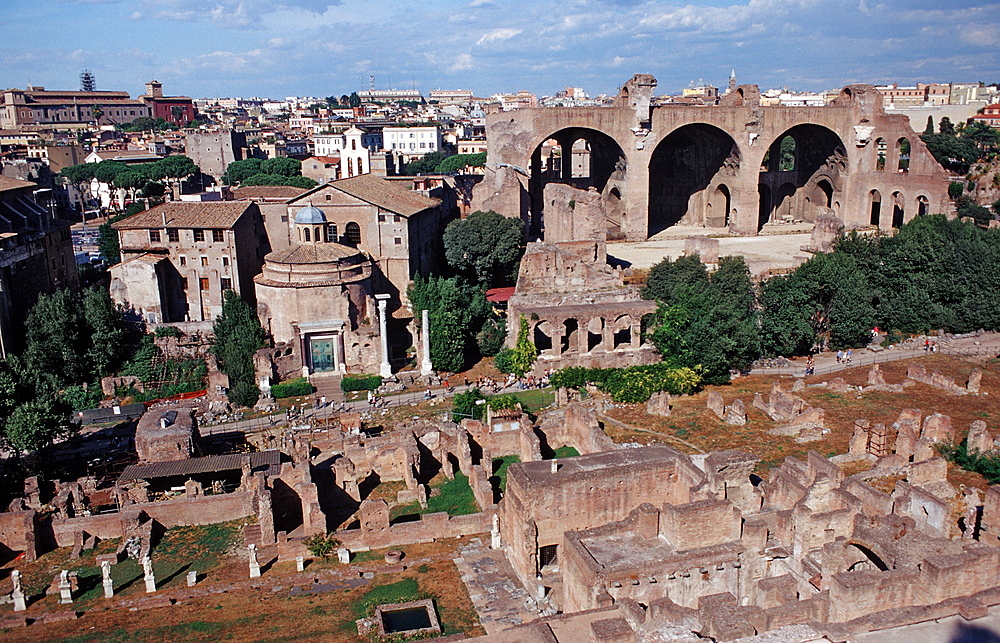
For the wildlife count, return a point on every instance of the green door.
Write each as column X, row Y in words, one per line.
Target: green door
column 322, row 355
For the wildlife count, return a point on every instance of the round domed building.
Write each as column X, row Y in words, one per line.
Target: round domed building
column 315, row 298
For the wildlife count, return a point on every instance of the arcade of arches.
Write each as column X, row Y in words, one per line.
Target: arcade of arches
column 736, row 166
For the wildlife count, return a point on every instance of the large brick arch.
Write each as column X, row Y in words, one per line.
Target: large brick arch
column 842, row 178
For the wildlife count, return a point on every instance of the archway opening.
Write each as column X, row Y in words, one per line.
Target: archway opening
column 803, row 169
column 903, row 155
column 880, row 154
column 897, row 210
column 923, row 206
column 876, row 208
column 864, row 558
column 580, row 157
column 682, row 168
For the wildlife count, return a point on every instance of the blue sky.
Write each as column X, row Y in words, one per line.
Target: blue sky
column 278, row 48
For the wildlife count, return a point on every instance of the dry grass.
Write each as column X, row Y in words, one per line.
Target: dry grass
column 691, row 420
column 251, row 615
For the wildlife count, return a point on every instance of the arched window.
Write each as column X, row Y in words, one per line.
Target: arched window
column 354, row 144
column 350, row 167
column 903, row 150
column 305, row 232
column 880, row 155
column 787, row 151
column 331, row 232
column 923, row 205
column 352, row 233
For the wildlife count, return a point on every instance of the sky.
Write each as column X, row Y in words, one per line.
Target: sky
column 279, row 48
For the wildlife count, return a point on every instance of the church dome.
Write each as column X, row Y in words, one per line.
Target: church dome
column 310, row 215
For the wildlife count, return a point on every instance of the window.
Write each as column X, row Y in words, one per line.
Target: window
column 422, row 145
column 225, row 261
column 331, row 232
column 199, row 235
column 184, row 261
column 217, row 236
column 204, row 261
column 184, row 283
column 305, row 232
column 204, row 283
column 329, row 197
column 154, row 236
column 227, row 283
column 352, row 231
column 398, row 241
column 381, row 218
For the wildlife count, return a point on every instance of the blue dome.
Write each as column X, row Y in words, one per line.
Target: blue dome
column 309, row 215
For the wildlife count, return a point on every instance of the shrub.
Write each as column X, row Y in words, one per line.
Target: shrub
column 168, row 331
column 79, row 398
column 508, row 401
column 632, row 384
column 322, row 545
column 503, row 360
column 464, row 405
column 360, row 383
column 292, row 388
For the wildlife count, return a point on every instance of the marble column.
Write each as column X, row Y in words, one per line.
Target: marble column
column 385, row 368
column 425, row 349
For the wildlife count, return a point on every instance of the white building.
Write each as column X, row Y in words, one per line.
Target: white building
column 412, row 142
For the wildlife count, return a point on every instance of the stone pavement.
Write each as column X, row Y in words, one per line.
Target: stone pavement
column 498, row 597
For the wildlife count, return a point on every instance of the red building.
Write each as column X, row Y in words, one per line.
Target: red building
column 173, row 109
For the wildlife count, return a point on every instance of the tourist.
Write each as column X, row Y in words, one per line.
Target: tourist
column 840, row 357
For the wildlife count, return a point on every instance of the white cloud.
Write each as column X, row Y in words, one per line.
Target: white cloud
column 462, row 62
column 497, row 35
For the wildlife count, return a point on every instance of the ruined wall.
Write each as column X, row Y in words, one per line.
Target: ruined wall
column 17, row 533
column 641, row 155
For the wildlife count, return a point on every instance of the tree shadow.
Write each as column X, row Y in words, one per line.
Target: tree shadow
column 965, row 633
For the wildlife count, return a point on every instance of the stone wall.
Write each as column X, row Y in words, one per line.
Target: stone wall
column 17, row 533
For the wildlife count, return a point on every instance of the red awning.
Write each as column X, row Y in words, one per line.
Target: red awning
column 498, row 295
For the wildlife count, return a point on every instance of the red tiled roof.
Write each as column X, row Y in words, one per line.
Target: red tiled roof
column 178, row 214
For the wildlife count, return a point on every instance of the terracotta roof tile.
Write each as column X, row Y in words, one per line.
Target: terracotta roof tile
column 7, row 183
column 177, row 214
column 283, row 192
column 384, row 194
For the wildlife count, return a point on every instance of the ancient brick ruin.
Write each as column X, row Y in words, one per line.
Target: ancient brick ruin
column 717, row 166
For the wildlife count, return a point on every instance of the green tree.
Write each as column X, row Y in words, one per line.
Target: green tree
column 485, row 248
column 955, row 189
column 55, row 344
column 458, row 162
column 238, row 171
column 930, row 125
column 707, row 324
column 238, row 335
column 524, row 353
column 79, row 176
column 177, row 168
column 277, row 179
column 784, row 328
column 354, row 100
column 426, row 164
column 37, row 424
column 107, row 338
column 946, row 127
column 457, row 313
column 282, row 166
column 130, row 181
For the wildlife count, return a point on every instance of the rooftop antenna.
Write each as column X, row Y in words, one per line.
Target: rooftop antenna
column 87, row 81
column 371, row 82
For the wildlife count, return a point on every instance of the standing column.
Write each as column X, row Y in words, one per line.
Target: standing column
column 385, row 369
column 425, row 354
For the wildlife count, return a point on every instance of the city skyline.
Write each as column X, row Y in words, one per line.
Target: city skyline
column 209, row 48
